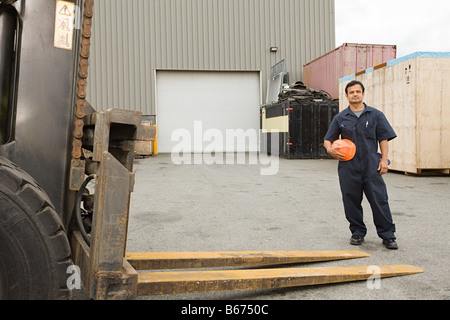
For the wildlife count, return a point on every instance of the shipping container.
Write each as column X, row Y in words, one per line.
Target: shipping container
column 412, row 92
column 324, row 73
column 297, row 128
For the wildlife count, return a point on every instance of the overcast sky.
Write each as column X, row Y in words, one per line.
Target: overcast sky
column 412, row 25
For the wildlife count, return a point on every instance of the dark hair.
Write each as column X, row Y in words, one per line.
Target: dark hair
column 354, row 83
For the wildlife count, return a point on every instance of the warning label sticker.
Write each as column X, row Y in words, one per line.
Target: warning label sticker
column 64, row 24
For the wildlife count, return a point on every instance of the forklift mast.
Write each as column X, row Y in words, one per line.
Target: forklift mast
column 52, row 143
column 38, row 94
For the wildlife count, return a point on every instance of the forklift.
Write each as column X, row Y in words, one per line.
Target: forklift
column 53, row 143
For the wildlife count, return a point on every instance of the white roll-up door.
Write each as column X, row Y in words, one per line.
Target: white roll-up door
column 208, row 111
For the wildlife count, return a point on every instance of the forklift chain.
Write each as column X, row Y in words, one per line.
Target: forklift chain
column 82, row 79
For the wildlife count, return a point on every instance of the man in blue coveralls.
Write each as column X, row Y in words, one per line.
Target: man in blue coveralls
column 367, row 128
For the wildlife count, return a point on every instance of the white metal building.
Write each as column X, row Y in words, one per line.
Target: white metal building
column 201, row 64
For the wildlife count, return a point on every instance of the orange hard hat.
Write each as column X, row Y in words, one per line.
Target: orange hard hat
column 347, row 148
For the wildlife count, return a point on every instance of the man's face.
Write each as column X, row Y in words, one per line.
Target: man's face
column 355, row 94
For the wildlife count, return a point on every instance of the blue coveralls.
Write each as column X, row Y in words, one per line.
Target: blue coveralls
column 360, row 174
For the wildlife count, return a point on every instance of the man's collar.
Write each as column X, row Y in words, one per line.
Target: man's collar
column 366, row 109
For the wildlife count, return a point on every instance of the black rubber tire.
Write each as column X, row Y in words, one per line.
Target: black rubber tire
column 34, row 249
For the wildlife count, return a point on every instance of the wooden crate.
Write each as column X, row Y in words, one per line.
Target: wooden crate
column 414, row 94
column 144, row 148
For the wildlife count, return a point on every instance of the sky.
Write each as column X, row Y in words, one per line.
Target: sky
column 411, row 25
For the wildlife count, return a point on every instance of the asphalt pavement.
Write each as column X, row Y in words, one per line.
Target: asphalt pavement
column 256, row 204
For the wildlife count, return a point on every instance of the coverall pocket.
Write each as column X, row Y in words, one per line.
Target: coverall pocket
column 347, row 130
column 371, row 132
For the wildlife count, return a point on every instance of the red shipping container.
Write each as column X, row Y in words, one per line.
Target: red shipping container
column 324, row 73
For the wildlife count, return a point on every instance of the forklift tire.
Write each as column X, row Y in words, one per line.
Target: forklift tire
column 34, row 249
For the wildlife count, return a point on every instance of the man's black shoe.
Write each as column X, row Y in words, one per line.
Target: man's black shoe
column 390, row 244
column 357, row 240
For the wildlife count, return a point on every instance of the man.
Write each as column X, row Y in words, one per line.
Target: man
column 367, row 128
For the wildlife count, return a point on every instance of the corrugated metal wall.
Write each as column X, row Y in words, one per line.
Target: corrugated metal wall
column 134, row 38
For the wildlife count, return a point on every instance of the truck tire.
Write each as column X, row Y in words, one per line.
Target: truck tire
column 34, row 249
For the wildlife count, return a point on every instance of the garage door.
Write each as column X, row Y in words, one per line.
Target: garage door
column 207, row 111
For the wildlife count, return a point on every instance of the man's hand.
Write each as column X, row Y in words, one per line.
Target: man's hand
column 334, row 152
column 383, row 166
